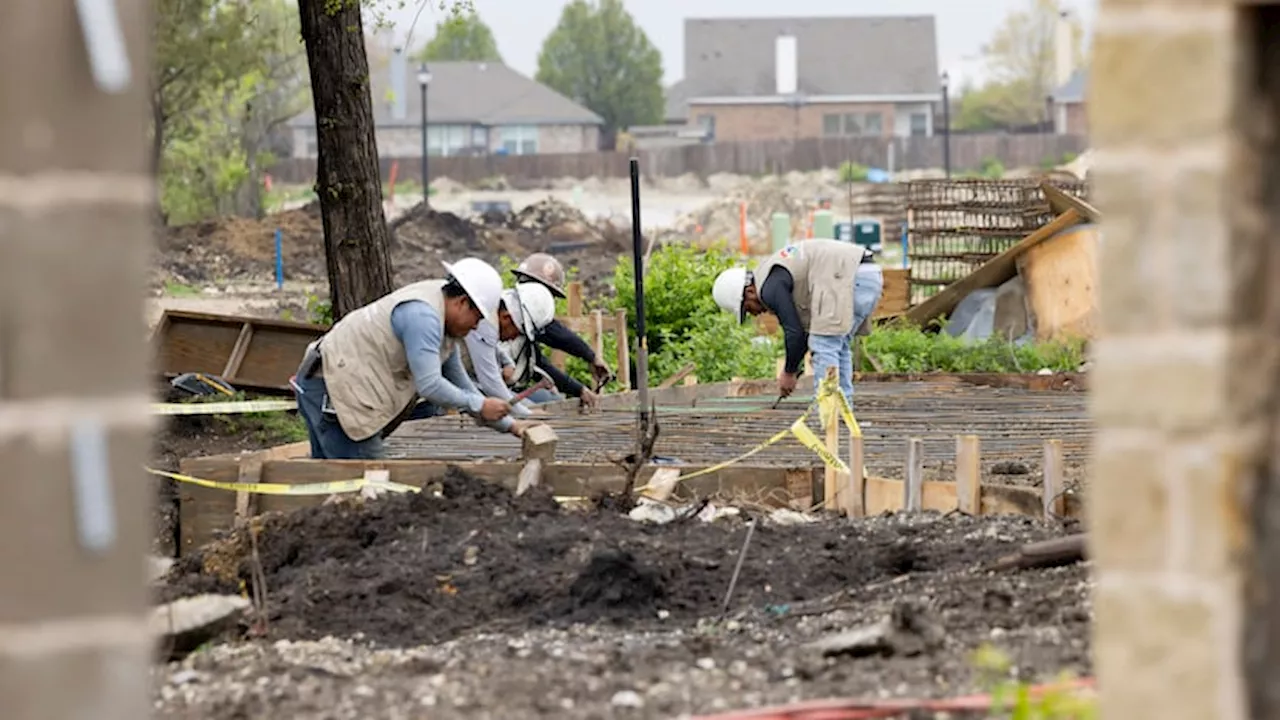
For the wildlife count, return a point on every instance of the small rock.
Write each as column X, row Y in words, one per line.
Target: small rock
column 470, row 555
column 627, row 698
column 182, row 677
column 706, row 663
column 1009, row 467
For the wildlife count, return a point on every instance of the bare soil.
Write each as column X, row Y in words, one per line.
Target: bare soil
column 464, row 601
column 243, row 249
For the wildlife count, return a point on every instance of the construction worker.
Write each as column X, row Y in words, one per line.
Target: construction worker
column 523, row 312
column 544, row 270
column 822, row 291
column 366, row 375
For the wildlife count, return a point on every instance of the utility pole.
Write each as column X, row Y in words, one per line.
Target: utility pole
column 76, row 203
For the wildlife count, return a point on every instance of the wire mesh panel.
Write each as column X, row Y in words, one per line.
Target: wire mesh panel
column 954, row 226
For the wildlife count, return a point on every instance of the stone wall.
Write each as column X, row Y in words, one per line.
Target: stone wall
column 75, row 236
column 1185, row 378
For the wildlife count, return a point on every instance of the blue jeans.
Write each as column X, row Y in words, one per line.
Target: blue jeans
column 837, row 350
column 328, row 440
column 537, row 397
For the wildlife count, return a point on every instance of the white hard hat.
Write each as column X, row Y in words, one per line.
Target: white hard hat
column 728, row 291
column 531, row 306
column 482, row 284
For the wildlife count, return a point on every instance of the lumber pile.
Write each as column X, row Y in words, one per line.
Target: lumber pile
column 1045, row 285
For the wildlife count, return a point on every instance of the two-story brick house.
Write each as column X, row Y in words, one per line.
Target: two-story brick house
column 777, row 78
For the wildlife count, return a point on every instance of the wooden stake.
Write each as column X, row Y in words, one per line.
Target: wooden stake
column 677, row 376
column 968, row 475
column 856, row 504
column 913, row 488
column 624, row 351
column 246, row 503
column 835, row 483
column 690, row 380
column 1054, row 503
column 597, row 332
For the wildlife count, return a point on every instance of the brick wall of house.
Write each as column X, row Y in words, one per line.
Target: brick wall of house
column 1183, row 368
column 568, row 138
column 771, row 122
column 1077, row 119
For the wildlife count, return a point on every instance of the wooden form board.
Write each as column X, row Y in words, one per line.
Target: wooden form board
column 994, row 272
column 1061, row 279
column 888, row 495
column 1060, row 202
column 203, row 512
column 250, row 353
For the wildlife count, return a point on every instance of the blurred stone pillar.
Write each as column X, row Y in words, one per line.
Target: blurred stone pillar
column 76, row 198
column 1184, row 504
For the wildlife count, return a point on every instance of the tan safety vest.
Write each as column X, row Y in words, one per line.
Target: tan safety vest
column 823, row 273
column 365, row 366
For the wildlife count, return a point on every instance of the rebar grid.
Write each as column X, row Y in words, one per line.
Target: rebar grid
column 1011, row 423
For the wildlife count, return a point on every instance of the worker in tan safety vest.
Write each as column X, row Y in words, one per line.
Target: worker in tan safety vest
column 822, row 292
column 368, row 373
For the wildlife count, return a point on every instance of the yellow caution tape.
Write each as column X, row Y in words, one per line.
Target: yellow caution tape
column 223, row 408
column 335, row 487
column 830, row 402
column 811, row 441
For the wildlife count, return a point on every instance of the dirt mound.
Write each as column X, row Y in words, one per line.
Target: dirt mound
column 244, row 249
column 467, row 555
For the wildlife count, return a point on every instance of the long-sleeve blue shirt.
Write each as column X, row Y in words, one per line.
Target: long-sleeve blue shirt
column 442, row 383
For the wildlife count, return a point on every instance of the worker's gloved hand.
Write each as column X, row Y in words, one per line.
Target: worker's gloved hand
column 786, row 384
column 519, row 426
column 494, row 409
column 588, row 399
column 600, row 371
column 508, row 373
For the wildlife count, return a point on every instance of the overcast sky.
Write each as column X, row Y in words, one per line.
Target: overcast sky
column 521, row 25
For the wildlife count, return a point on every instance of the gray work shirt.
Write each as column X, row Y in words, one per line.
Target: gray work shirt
column 487, row 359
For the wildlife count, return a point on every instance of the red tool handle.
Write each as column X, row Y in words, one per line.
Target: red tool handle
column 542, row 384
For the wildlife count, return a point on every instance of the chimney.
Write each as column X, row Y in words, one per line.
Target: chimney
column 399, row 84
column 1063, row 60
column 785, row 71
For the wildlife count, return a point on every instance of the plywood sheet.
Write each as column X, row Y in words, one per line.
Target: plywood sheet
column 1061, row 278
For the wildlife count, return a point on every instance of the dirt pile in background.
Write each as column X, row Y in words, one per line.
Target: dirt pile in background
column 466, row 555
column 244, row 249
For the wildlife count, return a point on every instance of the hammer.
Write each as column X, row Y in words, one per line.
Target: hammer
column 543, row 384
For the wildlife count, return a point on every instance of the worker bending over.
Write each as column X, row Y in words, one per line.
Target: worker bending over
column 366, row 374
column 523, row 312
column 822, row 291
column 544, row 270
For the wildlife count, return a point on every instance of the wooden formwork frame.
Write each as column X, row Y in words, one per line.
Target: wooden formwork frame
column 204, row 512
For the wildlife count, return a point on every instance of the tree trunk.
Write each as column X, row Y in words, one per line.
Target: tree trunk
column 348, row 182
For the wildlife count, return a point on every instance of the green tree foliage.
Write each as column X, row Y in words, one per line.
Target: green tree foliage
column 227, row 78
column 462, row 36
column 599, row 57
column 1021, row 59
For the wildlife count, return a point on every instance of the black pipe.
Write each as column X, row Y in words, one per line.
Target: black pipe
column 637, row 251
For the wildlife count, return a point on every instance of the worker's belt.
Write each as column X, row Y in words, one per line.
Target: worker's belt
column 311, row 363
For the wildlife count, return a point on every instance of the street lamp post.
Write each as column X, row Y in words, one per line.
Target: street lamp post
column 424, row 79
column 946, row 124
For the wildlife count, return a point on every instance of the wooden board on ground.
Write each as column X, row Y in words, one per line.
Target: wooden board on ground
column 887, row 495
column 991, row 274
column 248, row 352
column 203, row 512
column 1060, row 202
column 1061, row 279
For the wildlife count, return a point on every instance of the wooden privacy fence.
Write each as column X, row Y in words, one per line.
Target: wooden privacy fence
column 757, row 157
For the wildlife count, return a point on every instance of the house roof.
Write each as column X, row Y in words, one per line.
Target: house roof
column 1072, row 91
column 471, row 93
column 836, row 56
column 677, row 97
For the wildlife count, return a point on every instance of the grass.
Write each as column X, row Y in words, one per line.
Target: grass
column 266, row 428
column 177, row 289
column 1014, row 700
column 903, row 348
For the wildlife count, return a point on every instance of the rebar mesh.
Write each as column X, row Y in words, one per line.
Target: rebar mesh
column 954, row 226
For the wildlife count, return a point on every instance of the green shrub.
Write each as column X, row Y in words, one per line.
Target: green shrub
column 904, row 348
column 851, row 172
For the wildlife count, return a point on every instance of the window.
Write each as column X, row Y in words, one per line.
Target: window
column 519, row 139
column 707, row 123
column 311, row 146
column 853, row 124
column 447, row 139
column 919, row 124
